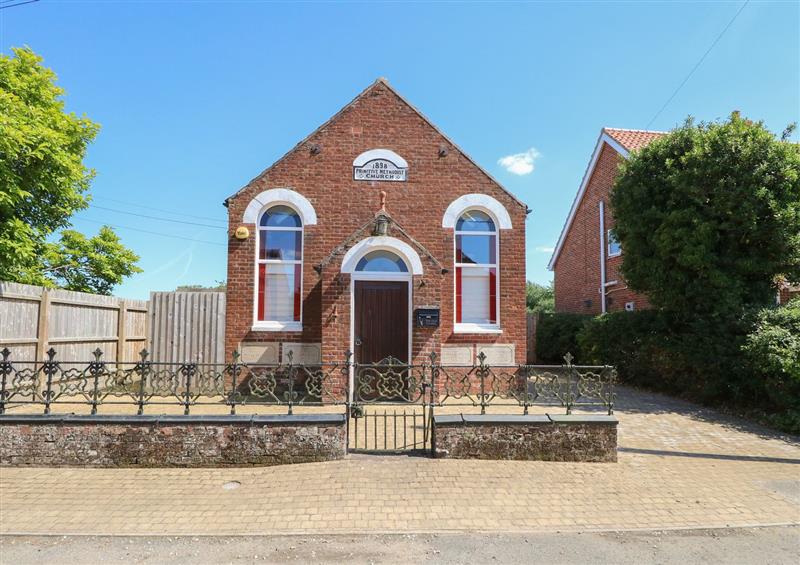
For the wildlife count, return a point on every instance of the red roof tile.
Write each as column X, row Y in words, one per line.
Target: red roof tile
column 633, row 139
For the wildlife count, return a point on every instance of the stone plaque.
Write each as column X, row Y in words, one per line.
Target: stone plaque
column 499, row 354
column 255, row 352
column 457, row 355
column 302, row 353
column 380, row 165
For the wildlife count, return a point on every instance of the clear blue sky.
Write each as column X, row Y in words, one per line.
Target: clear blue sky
column 196, row 98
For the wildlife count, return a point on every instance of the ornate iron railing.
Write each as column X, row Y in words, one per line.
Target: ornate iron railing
column 148, row 383
column 569, row 386
column 51, row 383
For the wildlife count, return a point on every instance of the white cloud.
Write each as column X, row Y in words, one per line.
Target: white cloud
column 544, row 249
column 519, row 163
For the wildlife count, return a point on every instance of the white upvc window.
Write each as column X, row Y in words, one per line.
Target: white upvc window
column 614, row 247
column 477, row 297
column 279, row 270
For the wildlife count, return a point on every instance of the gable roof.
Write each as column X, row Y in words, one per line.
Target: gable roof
column 381, row 81
column 633, row 139
column 623, row 141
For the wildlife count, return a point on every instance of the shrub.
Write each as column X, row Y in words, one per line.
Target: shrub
column 772, row 350
column 540, row 298
column 709, row 216
column 634, row 342
column 556, row 336
column 694, row 359
column 751, row 363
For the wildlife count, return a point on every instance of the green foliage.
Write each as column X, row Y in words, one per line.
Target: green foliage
column 220, row 286
column 775, row 342
column 89, row 265
column 751, row 364
column 709, row 217
column 634, row 342
column 540, row 298
column 773, row 351
column 556, row 335
column 43, row 182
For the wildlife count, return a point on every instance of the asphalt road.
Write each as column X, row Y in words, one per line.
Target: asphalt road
column 763, row 546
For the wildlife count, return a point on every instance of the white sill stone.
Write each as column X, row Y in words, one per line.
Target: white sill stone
column 277, row 327
column 476, row 329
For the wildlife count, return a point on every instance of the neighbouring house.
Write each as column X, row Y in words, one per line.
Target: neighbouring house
column 378, row 235
column 587, row 258
column 788, row 292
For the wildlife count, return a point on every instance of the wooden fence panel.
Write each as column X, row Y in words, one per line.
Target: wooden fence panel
column 19, row 319
column 187, row 326
column 135, row 325
column 33, row 319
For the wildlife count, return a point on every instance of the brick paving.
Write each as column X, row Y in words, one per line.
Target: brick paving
column 679, row 466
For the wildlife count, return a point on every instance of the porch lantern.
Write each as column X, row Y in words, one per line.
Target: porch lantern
column 381, row 225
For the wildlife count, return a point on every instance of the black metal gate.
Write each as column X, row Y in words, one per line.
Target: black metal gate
column 389, row 428
column 391, row 408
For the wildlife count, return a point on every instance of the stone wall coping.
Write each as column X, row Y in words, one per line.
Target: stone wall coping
column 583, row 419
column 254, row 419
column 480, row 419
column 448, row 419
column 520, row 419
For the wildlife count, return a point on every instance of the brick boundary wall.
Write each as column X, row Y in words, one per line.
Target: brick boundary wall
column 578, row 438
column 170, row 441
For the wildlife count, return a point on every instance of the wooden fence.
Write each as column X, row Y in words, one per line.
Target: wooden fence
column 174, row 326
column 33, row 319
column 187, row 326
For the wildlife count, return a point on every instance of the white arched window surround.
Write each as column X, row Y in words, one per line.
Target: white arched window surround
column 386, row 243
column 275, row 196
column 476, row 285
column 277, row 304
column 374, row 154
column 476, row 201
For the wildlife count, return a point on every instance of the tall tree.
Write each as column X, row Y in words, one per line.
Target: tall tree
column 84, row 264
column 43, row 182
column 709, row 217
column 540, row 298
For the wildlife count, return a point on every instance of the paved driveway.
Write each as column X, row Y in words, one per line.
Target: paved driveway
column 679, row 466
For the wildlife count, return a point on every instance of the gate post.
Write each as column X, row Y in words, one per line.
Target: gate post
column 571, row 373
column 5, row 371
column 234, row 378
column 434, row 376
column 347, row 398
column 483, row 370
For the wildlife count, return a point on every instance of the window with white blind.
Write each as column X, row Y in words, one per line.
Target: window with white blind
column 279, row 269
column 476, row 293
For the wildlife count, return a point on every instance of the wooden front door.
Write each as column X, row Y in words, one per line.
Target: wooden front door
column 381, row 321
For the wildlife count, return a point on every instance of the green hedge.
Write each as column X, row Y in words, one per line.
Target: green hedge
column 556, row 335
column 751, row 363
column 772, row 351
column 631, row 341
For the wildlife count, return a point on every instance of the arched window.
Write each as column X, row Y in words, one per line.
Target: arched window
column 476, row 251
column 381, row 261
column 280, row 267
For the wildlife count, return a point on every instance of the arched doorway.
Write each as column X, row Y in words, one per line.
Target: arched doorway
column 381, row 329
column 381, row 270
